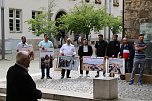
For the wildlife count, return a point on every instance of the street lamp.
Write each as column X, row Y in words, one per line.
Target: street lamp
column 123, row 17
column 2, row 28
column 109, row 31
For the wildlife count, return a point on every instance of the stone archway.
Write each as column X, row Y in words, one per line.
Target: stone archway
column 60, row 14
column 61, row 35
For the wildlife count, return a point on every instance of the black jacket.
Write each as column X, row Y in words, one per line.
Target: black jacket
column 101, row 47
column 20, row 85
column 81, row 53
column 113, row 48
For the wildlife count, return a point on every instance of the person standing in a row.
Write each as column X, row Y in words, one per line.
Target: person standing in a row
column 24, row 46
column 127, row 52
column 67, row 49
column 84, row 50
column 139, row 59
column 100, row 49
column 44, row 45
column 113, row 47
column 21, row 44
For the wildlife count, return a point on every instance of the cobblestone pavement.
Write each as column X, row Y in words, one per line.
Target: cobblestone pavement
column 85, row 85
column 76, row 84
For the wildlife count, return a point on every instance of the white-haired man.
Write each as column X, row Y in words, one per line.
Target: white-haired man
column 67, row 49
column 20, row 85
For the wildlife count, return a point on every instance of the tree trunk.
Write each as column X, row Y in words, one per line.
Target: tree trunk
column 87, row 36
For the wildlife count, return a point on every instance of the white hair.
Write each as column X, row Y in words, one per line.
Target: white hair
column 21, row 56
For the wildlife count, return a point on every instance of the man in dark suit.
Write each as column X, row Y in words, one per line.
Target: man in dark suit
column 20, row 85
column 100, row 50
column 113, row 47
column 84, row 50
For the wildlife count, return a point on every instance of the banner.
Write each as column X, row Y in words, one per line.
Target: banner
column 68, row 62
column 93, row 63
column 28, row 48
column 46, row 57
column 25, row 48
column 116, row 66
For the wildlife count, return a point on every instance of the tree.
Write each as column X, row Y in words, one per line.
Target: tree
column 116, row 24
column 84, row 18
column 42, row 24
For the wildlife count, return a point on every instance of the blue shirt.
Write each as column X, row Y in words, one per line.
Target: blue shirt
column 45, row 44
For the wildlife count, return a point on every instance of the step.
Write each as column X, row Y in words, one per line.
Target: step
column 66, row 95
column 57, row 95
column 146, row 78
column 47, row 100
column 2, row 97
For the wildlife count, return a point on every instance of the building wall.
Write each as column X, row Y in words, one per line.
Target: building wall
column 27, row 6
column 67, row 5
column 138, row 12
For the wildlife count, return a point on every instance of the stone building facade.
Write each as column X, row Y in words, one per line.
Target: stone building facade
column 135, row 13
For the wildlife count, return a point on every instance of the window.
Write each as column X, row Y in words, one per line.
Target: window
column 87, row 0
column 116, row 3
column 97, row 1
column 15, row 20
column 34, row 13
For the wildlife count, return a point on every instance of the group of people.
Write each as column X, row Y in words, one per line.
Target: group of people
column 21, row 87
column 102, row 49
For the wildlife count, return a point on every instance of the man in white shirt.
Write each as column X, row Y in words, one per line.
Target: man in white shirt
column 67, row 49
column 21, row 44
column 45, row 44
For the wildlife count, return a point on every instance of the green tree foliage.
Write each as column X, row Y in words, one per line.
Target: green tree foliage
column 116, row 25
column 42, row 24
column 84, row 18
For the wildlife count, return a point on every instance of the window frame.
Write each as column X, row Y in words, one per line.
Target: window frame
column 14, row 18
column 33, row 17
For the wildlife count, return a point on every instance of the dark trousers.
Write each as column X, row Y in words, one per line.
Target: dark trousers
column 47, row 72
column 128, row 65
column 81, row 69
column 63, row 73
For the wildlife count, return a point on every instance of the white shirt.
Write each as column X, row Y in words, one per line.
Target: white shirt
column 21, row 45
column 85, row 48
column 68, row 50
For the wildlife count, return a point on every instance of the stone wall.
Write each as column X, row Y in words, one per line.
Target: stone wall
column 136, row 12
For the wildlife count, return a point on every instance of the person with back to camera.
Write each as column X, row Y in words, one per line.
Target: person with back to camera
column 20, row 85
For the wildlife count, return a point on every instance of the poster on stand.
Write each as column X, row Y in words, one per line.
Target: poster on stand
column 93, row 63
column 68, row 62
column 28, row 48
column 116, row 66
column 46, row 57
